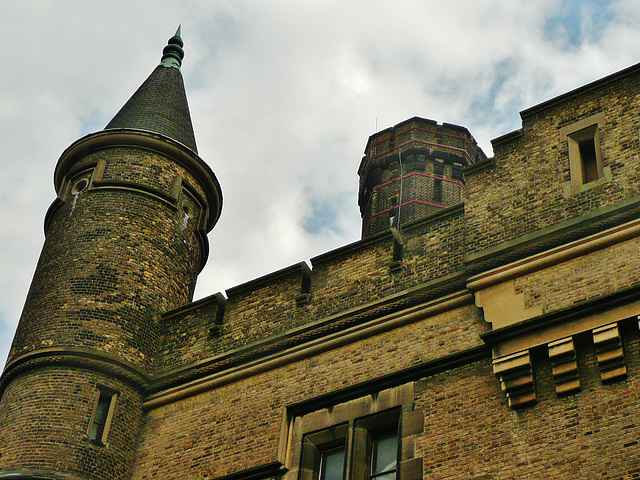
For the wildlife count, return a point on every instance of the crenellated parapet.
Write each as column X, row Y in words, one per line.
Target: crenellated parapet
column 354, row 282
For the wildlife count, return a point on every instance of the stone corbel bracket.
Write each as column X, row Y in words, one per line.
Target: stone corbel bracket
column 564, row 365
column 609, row 353
column 516, row 378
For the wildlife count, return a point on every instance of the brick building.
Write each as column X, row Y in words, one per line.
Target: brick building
column 485, row 327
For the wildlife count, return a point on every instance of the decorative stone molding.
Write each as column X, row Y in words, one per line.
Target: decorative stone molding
column 609, row 353
column 503, row 306
column 495, row 291
column 516, row 378
column 564, row 365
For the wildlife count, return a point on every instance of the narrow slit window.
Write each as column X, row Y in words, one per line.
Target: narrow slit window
column 397, row 250
column 585, row 157
column 101, row 418
column 438, row 168
column 437, row 190
column 456, row 172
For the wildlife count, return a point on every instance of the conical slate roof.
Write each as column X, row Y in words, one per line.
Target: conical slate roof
column 160, row 104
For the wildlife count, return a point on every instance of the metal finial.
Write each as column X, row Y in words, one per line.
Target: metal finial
column 173, row 53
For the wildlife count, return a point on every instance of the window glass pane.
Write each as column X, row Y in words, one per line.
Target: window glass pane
column 103, row 409
column 100, row 417
column 385, row 453
column 332, row 464
column 95, row 430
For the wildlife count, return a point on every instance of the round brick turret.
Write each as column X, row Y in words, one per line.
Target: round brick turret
column 125, row 240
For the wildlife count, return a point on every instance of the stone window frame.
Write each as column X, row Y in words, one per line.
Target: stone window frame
column 574, row 134
column 78, row 182
column 315, row 443
column 103, row 395
column 353, row 424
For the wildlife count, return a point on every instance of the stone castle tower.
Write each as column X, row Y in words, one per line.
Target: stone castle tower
column 486, row 326
column 125, row 240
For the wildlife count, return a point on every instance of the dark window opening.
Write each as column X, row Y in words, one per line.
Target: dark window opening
column 102, row 414
column 100, row 418
column 585, row 161
column 588, row 160
column 397, row 250
column 437, row 190
column 306, row 283
column 438, row 168
column 456, row 172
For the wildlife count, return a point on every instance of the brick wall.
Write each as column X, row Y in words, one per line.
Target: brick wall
column 238, row 425
column 399, row 163
column 44, row 416
column 113, row 260
column 582, row 279
column 348, row 278
column 124, row 243
column 525, row 190
column 470, row 432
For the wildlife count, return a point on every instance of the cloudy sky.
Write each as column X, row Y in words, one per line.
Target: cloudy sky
column 283, row 95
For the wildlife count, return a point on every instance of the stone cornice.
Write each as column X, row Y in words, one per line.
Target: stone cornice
column 581, row 317
column 76, row 357
column 556, row 255
column 37, row 474
column 149, row 141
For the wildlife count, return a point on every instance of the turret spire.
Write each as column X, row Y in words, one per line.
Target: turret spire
column 160, row 104
column 173, row 53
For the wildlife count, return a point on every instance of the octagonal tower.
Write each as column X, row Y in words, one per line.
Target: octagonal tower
column 411, row 171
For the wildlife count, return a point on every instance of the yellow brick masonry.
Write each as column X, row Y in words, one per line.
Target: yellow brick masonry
column 238, row 426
